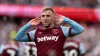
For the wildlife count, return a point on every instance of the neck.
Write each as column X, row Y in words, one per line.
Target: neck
column 49, row 26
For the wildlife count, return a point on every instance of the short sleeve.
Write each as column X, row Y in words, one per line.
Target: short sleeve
column 66, row 31
column 31, row 35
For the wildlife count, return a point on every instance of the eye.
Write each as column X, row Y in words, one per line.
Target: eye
column 48, row 15
column 43, row 15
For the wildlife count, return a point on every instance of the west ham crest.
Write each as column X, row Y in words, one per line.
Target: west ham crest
column 55, row 31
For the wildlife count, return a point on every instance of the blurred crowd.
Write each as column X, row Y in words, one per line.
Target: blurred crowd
column 9, row 27
column 90, row 38
column 69, row 3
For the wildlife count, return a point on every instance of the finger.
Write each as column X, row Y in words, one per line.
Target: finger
column 57, row 14
column 38, row 19
column 56, row 17
column 32, row 20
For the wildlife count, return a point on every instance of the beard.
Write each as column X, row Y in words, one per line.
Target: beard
column 47, row 26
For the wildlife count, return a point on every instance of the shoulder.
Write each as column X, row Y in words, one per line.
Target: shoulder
column 64, row 27
column 33, row 31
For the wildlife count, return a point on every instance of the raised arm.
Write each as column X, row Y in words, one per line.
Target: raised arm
column 22, row 34
column 75, row 28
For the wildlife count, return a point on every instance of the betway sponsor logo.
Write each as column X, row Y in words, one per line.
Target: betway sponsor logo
column 46, row 38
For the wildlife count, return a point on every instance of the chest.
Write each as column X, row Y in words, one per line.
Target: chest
column 50, row 35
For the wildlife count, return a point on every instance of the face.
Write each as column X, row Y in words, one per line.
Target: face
column 47, row 18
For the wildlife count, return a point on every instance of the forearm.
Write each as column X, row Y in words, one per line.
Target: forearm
column 21, row 35
column 76, row 28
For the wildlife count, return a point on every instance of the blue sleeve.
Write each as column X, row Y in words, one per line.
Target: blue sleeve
column 22, row 35
column 75, row 28
column 82, row 49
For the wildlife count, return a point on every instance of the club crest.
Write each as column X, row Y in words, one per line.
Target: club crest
column 55, row 31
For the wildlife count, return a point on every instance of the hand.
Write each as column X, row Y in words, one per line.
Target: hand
column 35, row 21
column 59, row 19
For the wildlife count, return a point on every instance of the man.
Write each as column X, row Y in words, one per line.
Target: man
column 50, row 38
column 73, row 48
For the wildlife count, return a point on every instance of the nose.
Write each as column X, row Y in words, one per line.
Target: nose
column 45, row 18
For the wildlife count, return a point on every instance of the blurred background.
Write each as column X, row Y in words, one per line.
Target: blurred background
column 16, row 13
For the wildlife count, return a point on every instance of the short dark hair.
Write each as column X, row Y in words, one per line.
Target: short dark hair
column 48, row 8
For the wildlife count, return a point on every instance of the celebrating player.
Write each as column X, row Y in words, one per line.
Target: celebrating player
column 49, row 38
